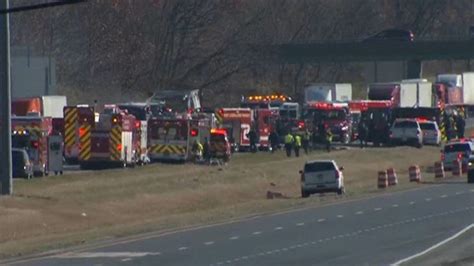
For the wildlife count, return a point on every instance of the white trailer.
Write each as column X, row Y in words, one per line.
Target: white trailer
column 408, row 92
column 423, row 92
column 328, row 92
column 53, row 105
column 468, row 88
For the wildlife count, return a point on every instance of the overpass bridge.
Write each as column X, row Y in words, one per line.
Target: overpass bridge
column 414, row 53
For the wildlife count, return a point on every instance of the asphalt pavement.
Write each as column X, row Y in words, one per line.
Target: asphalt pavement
column 374, row 231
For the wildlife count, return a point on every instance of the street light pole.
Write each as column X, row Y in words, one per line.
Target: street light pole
column 6, row 182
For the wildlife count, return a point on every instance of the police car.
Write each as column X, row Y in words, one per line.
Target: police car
column 456, row 150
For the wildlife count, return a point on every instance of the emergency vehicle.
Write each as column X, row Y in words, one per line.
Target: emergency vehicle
column 239, row 121
column 172, row 137
column 219, row 145
column 334, row 115
column 74, row 118
column 31, row 134
column 114, row 140
column 272, row 101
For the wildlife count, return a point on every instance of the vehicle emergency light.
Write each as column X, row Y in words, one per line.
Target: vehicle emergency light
column 218, row 131
column 300, row 124
column 114, row 120
column 82, row 131
column 137, row 124
column 194, row 132
column 119, row 147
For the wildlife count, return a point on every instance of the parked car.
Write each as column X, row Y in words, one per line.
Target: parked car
column 392, row 35
column 321, row 176
column 406, row 131
column 456, row 150
column 431, row 132
column 21, row 165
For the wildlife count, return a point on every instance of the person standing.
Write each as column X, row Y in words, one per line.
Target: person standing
column 328, row 138
column 274, row 140
column 289, row 139
column 297, row 145
column 306, row 140
column 363, row 133
column 252, row 135
column 460, row 126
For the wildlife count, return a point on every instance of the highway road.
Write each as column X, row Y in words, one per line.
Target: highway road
column 373, row 231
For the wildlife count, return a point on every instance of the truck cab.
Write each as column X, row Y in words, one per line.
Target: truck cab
column 336, row 116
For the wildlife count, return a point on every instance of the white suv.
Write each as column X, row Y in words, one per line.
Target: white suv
column 406, row 131
column 431, row 132
column 321, row 176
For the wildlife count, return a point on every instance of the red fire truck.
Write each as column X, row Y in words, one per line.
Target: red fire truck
column 114, row 140
column 237, row 122
column 31, row 134
column 334, row 115
column 171, row 137
column 74, row 118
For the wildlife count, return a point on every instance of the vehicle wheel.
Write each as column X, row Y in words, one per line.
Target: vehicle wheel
column 304, row 194
column 346, row 139
column 341, row 191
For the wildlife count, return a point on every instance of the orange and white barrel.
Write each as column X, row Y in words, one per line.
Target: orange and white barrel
column 457, row 168
column 439, row 170
column 382, row 180
column 392, row 177
column 414, row 173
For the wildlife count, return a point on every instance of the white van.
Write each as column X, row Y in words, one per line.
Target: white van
column 321, row 176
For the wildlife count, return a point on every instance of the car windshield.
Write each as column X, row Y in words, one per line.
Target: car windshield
column 318, row 167
column 405, row 124
column 458, row 147
column 427, row 126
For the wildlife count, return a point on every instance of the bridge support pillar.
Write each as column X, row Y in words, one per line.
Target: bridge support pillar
column 414, row 69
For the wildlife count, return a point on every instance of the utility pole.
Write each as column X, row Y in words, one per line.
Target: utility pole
column 6, row 181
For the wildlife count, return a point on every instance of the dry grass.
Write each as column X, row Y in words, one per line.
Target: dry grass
column 49, row 213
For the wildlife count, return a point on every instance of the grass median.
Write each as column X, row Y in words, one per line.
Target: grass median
column 61, row 211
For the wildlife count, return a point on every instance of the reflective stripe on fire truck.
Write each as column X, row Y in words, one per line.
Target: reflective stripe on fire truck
column 219, row 117
column 85, row 140
column 168, row 149
column 115, row 143
column 70, row 119
column 442, row 126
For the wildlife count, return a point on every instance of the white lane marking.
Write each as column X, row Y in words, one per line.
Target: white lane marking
column 472, row 190
column 126, row 259
column 428, row 199
column 340, row 216
column 182, row 248
column 377, row 209
column 278, row 228
column 459, row 192
column 86, row 255
column 321, row 220
column 444, row 196
column 395, row 205
column 359, row 213
column 209, row 243
column 256, row 233
column 412, row 202
column 234, row 238
column 435, row 246
column 299, row 224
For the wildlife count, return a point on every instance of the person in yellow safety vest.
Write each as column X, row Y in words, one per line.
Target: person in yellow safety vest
column 198, row 150
column 306, row 140
column 297, row 145
column 289, row 139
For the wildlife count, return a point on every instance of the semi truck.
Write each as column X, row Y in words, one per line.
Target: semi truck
column 45, row 106
column 328, row 92
column 408, row 93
